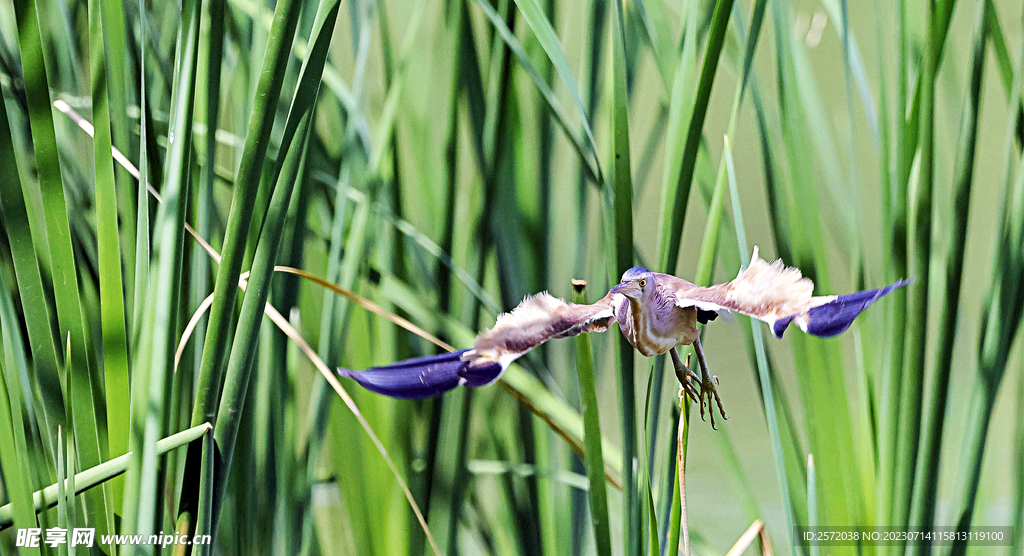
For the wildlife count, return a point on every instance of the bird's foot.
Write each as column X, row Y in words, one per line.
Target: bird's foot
column 708, row 387
column 709, row 390
column 692, row 383
column 689, row 382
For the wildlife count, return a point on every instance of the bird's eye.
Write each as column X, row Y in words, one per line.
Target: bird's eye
column 643, row 282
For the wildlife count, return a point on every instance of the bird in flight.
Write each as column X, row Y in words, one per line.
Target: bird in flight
column 655, row 312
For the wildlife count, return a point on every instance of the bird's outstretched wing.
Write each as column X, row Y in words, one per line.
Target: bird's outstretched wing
column 779, row 295
column 535, row 320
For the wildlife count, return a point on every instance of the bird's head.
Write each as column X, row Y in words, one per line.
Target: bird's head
column 635, row 282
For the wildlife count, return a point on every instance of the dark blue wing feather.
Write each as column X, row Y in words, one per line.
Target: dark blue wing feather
column 424, row 377
column 833, row 318
column 780, row 326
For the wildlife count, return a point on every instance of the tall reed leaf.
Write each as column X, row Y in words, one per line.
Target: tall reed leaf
column 239, row 366
column 30, row 285
column 679, row 113
column 153, row 361
column 115, row 339
column 820, row 374
column 586, row 151
column 594, row 459
column 13, row 445
column 623, row 225
column 765, row 379
column 716, row 40
column 243, row 201
column 926, row 488
column 70, row 318
column 919, row 254
column 1000, row 319
column 545, row 33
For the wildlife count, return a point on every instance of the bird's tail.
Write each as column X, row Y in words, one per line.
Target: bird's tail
column 425, row 377
column 834, row 317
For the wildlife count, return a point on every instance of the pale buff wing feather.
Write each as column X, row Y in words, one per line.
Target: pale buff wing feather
column 780, row 295
column 536, row 320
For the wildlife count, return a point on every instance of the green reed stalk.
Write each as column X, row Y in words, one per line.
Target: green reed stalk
column 925, row 492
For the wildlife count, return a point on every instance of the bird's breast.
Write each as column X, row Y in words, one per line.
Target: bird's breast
column 652, row 333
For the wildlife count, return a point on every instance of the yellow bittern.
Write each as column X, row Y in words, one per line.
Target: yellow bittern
column 656, row 312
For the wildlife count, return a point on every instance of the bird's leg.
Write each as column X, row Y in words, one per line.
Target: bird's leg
column 686, row 376
column 707, row 385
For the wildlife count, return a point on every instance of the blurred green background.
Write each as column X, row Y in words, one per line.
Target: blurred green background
column 430, row 163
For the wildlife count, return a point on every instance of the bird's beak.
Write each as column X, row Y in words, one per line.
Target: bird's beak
column 625, row 288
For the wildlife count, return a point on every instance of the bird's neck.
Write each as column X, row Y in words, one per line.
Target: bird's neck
column 636, row 311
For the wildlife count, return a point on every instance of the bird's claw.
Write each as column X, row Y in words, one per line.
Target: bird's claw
column 708, row 386
column 709, row 391
column 689, row 382
column 691, row 391
column 700, row 389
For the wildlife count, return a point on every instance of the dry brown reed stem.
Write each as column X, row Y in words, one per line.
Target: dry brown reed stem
column 755, row 531
column 681, row 466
